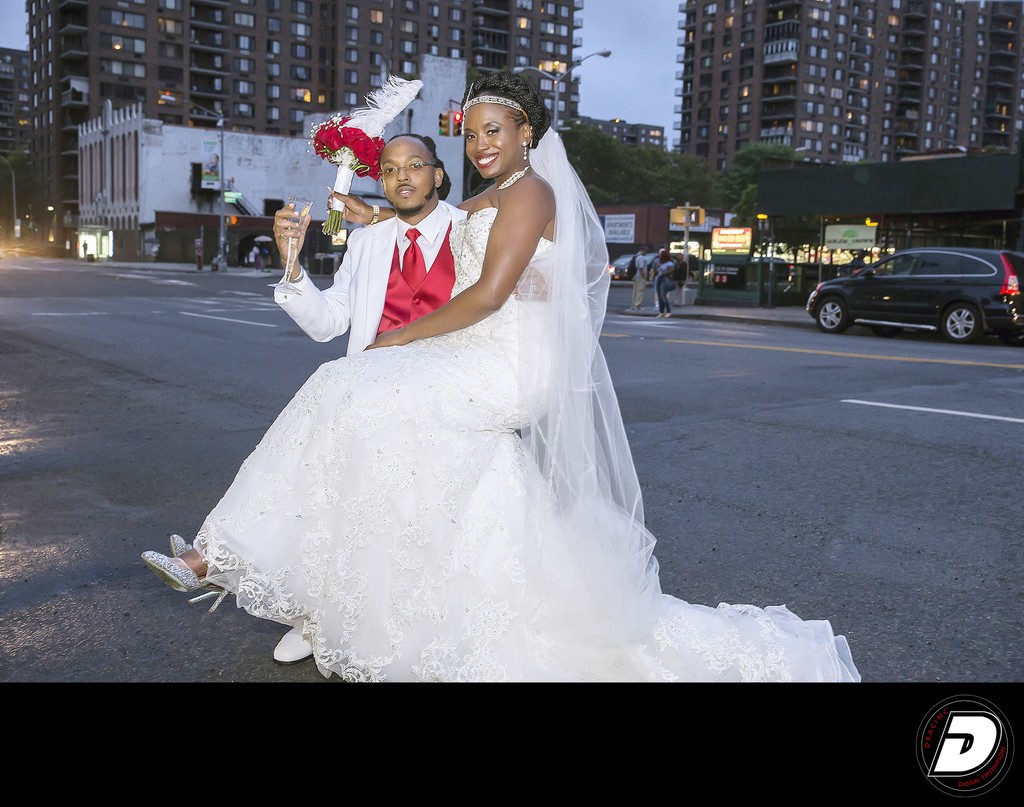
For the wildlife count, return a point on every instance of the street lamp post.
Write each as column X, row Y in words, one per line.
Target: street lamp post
column 14, row 199
column 557, row 79
column 170, row 98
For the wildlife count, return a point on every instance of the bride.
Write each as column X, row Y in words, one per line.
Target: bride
column 458, row 502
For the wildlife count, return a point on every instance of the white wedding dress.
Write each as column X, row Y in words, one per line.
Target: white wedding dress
column 392, row 512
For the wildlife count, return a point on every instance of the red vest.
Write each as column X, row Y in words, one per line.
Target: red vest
column 403, row 305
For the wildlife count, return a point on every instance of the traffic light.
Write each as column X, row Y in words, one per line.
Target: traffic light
column 231, row 220
column 444, row 123
column 457, row 123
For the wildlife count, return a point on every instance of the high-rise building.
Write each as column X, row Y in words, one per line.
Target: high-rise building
column 264, row 66
column 14, row 101
column 629, row 134
column 850, row 80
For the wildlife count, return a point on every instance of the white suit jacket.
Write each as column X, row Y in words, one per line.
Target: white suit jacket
column 355, row 302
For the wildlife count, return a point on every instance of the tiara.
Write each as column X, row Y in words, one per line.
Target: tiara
column 494, row 99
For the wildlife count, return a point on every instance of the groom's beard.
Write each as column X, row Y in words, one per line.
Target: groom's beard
column 414, row 211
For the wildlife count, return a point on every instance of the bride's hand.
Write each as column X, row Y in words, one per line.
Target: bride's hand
column 391, row 339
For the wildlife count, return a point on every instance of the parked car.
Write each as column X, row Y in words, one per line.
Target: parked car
column 961, row 293
column 617, row 268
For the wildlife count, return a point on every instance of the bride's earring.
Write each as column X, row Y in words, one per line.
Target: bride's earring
column 526, row 152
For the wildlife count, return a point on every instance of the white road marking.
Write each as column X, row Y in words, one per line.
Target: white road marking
column 935, row 411
column 228, row 319
column 71, row 314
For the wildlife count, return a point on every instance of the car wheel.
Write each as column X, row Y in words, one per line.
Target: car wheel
column 887, row 331
column 833, row 316
column 1012, row 338
column 961, row 322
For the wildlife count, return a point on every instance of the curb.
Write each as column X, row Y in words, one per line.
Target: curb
column 743, row 318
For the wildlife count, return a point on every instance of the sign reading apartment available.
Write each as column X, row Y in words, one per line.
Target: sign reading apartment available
column 620, row 228
column 849, row 236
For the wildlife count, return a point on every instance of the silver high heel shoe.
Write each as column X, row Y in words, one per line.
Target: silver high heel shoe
column 182, row 578
column 179, row 546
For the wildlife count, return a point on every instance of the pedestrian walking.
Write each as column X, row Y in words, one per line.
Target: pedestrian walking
column 638, row 269
column 663, row 282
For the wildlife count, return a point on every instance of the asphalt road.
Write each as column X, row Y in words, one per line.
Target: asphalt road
column 867, row 481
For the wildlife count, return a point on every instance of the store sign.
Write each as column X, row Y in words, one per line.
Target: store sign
column 849, row 236
column 731, row 240
column 619, row 228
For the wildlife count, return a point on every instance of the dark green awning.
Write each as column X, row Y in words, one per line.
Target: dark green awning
column 969, row 184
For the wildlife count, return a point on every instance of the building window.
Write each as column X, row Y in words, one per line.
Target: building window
column 123, row 44
column 117, row 68
column 166, row 26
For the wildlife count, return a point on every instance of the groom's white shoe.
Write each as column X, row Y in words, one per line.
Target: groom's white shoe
column 292, row 647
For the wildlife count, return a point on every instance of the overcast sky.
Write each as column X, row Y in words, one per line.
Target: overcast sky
column 636, row 83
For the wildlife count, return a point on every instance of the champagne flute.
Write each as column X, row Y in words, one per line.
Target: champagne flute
column 302, row 207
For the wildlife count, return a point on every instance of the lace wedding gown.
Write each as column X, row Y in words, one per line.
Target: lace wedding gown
column 392, row 511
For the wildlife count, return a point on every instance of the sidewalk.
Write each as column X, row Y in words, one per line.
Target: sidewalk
column 792, row 315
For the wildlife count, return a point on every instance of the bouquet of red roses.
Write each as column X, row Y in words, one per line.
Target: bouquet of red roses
column 338, row 143
column 354, row 142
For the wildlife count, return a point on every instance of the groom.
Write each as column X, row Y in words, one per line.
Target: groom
column 366, row 299
column 394, row 271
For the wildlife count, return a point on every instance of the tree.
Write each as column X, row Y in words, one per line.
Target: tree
column 742, row 173
column 614, row 173
column 600, row 162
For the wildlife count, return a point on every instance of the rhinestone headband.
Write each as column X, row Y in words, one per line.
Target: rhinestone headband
column 495, row 99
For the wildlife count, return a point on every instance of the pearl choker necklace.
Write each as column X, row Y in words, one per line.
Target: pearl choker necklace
column 512, row 180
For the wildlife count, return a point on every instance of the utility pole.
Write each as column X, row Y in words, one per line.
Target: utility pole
column 221, row 261
column 16, row 228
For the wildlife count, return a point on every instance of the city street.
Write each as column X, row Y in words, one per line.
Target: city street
column 871, row 482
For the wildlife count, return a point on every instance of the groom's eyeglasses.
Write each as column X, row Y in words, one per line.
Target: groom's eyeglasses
column 412, row 169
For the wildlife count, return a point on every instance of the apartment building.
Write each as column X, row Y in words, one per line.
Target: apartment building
column 629, row 134
column 846, row 81
column 261, row 65
column 15, row 111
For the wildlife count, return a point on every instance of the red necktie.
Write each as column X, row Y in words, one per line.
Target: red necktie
column 413, row 268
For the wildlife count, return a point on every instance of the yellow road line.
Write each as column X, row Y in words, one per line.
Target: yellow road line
column 955, row 362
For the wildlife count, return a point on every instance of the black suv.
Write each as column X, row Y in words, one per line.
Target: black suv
column 961, row 293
